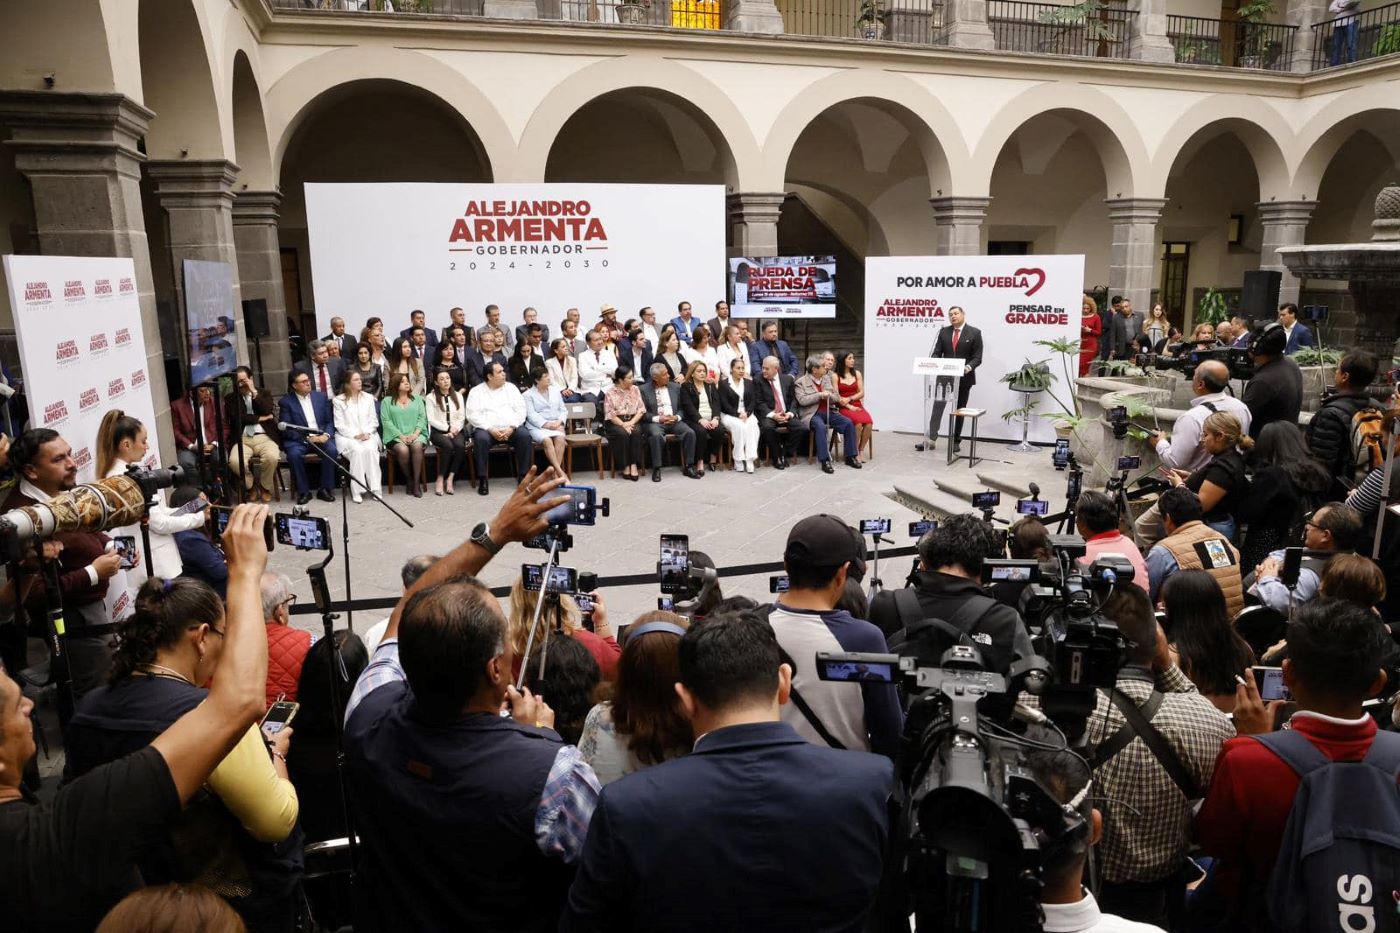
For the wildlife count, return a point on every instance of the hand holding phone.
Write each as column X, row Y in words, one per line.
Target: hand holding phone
column 279, row 716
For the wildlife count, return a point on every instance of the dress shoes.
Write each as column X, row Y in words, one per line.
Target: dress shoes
column 325, row 495
column 926, row 445
column 957, row 447
column 656, row 474
column 690, row 472
column 303, row 498
column 483, row 488
column 827, row 467
column 853, row 463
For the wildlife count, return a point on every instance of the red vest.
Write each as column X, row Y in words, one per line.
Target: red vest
column 286, row 653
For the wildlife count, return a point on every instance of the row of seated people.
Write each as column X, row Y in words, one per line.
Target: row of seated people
column 699, row 414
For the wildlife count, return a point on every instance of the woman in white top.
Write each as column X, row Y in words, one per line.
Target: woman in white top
column 702, row 349
column 641, row 725
column 544, row 417
column 121, row 442
column 733, row 348
column 736, row 395
column 357, row 432
column 563, row 370
column 1155, row 326
column 447, row 418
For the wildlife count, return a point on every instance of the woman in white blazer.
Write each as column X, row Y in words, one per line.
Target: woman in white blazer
column 447, row 416
column 121, row 442
column 357, row 433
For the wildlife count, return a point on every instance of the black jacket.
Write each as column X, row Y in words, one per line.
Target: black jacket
column 690, row 403
column 729, row 399
column 1275, row 393
column 998, row 633
column 1329, row 434
column 969, row 349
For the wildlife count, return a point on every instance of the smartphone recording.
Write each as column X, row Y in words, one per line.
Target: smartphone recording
column 303, row 532
column 1032, row 507
column 920, row 528
column 986, row 500
column 674, row 567
column 875, row 526
column 561, row 579
column 779, row 584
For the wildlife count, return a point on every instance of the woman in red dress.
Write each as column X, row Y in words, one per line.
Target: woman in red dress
column 851, row 384
column 1090, row 327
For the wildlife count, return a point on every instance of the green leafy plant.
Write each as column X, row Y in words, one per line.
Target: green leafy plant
column 1317, row 356
column 1089, row 15
column 1254, row 42
column 1031, row 378
column 1213, row 308
column 1387, row 40
column 1068, row 350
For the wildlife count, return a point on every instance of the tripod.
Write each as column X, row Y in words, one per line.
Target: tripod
column 1072, row 490
column 876, row 584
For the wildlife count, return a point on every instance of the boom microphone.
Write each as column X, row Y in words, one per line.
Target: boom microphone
column 107, row 503
column 285, row 426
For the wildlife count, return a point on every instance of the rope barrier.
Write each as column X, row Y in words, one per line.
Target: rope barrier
column 635, row 579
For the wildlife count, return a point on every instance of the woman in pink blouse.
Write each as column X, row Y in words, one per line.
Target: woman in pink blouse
column 623, row 408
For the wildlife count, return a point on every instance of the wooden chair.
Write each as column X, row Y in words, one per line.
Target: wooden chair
column 578, row 432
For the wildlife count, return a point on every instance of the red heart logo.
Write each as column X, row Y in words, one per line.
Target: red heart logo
column 1039, row 279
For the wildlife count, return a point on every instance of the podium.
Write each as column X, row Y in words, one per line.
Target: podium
column 941, row 378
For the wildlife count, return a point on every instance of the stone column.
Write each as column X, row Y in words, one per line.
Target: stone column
column 958, row 225
column 753, row 223
column 79, row 153
column 1305, row 14
column 255, row 215
column 197, row 197
column 1150, row 42
column 1133, row 260
column 965, row 23
column 1285, row 224
column 760, row 16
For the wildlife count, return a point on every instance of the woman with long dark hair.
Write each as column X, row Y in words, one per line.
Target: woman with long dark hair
column 241, row 837
column 1208, row 649
column 1288, row 483
column 850, row 382
column 639, row 723
column 447, row 426
column 402, row 360
column 571, row 676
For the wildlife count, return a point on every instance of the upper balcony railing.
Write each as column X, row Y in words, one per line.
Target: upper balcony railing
column 1357, row 37
column 1084, row 29
column 1200, row 41
column 1049, row 28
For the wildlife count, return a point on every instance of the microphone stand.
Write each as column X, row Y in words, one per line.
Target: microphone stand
column 876, row 584
column 320, row 593
column 346, row 478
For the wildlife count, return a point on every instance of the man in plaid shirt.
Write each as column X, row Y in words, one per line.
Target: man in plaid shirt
column 1146, row 815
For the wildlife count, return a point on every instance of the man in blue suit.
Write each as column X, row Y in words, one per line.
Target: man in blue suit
column 770, row 345
column 685, row 323
column 1299, row 335
column 307, row 409
column 756, row 829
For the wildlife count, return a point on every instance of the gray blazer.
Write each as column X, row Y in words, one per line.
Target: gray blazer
column 648, row 390
column 808, row 394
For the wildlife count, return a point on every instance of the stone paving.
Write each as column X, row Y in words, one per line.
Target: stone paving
column 736, row 518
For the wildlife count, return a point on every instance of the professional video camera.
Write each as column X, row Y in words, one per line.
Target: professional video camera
column 1084, row 648
column 108, row 503
column 1185, row 357
column 976, row 828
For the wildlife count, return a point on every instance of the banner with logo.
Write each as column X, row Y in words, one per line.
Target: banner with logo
column 1013, row 300
column 782, row 286
column 383, row 250
column 82, row 352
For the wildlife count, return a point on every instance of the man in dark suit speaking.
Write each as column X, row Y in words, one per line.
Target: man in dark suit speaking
column 755, row 829
column 958, row 340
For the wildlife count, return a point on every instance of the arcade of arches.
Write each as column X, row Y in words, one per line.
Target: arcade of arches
column 173, row 129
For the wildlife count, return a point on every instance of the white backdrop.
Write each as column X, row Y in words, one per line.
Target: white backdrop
column 82, row 351
column 1013, row 300
column 383, row 250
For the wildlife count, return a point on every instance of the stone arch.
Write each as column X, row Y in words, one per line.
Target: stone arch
column 668, row 140
column 1373, row 110
column 296, row 95
column 1101, row 118
column 69, row 38
column 1262, row 131
column 933, row 128
column 177, row 82
column 250, row 146
column 715, row 113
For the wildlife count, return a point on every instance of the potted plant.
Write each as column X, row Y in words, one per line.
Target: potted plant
column 1088, row 15
column 633, row 12
column 870, row 22
column 1254, row 42
column 1213, row 308
column 1387, row 40
column 1030, row 379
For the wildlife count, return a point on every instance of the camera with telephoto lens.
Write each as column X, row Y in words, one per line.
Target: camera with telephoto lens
column 1186, row 356
column 1084, row 648
column 976, row 828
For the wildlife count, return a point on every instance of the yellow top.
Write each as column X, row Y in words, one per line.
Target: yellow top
column 264, row 802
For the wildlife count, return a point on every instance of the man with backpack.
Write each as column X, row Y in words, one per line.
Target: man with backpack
column 1344, row 435
column 947, row 588
column 1325, row 786
column 821, row 550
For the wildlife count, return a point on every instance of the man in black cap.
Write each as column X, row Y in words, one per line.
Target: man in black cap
column 821, row 551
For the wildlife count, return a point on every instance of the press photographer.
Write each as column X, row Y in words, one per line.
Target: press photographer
column 947, row 586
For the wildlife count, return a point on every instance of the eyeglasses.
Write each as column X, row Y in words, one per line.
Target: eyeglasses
column 289, row 601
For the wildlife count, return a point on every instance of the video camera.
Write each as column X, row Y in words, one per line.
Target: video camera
column 976, row 829
column 1185, row 357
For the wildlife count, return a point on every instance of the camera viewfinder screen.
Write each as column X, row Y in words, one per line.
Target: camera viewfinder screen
column 304, row 533
column 858, row 671
column 1032, row 507
column 986, row 500
column 1011, row 574
column 581, row 509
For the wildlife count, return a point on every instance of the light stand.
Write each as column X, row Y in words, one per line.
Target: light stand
column 346, row 478
column 320, row 593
